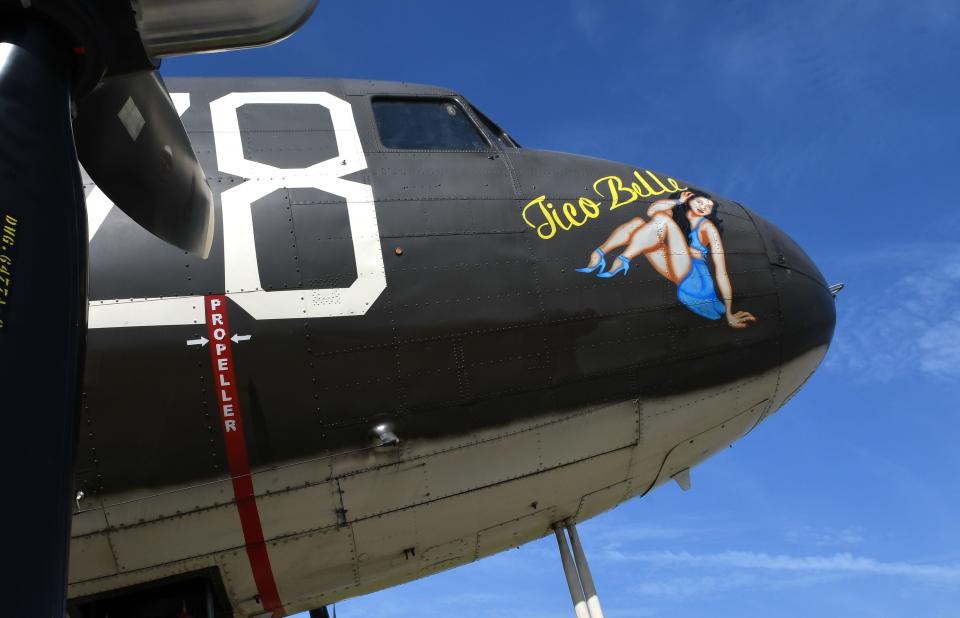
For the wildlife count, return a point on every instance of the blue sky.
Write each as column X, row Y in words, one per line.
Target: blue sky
column 836, row 119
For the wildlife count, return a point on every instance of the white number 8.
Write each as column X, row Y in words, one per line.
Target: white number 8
column 241, row 272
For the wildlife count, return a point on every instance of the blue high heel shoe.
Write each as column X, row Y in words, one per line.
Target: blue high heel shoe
column 601, row 265
column 624, row 268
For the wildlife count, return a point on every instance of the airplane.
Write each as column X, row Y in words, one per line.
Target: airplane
column 390, row 365
column 396, row 341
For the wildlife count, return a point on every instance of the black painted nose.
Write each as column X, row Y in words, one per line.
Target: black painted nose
column 807, row 309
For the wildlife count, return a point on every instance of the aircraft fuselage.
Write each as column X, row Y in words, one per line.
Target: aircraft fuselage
column 390, row 364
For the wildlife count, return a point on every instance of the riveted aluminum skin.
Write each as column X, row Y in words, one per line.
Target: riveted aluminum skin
column 441, row 305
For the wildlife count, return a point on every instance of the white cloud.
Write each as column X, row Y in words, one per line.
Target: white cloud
column 631, row 612
column 683, row 587
column 755, row 561
column 898, row 314
column 826, row 537
column 626, row 534
column 588, row 17
column 940, row 348
column 679, row 588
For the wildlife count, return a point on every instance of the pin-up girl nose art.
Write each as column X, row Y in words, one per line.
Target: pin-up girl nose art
column 677, row 238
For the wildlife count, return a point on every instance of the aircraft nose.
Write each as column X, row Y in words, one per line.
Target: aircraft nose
column 807, row 309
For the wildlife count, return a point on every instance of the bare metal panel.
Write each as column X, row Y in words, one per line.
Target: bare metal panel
column 91, row 557
column 694, row 450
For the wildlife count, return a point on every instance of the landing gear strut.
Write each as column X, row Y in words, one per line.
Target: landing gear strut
column 583, row 593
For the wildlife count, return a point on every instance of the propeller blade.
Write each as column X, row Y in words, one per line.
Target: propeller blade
column 133, row 145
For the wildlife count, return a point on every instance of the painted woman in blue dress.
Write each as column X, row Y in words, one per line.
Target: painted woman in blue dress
column 678, row 238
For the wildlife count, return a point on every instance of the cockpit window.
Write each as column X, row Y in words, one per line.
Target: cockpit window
column 499, row 134
column 426, row 124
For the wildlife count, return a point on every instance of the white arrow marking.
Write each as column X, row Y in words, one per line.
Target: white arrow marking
column 239, row 338
column 202, row 341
